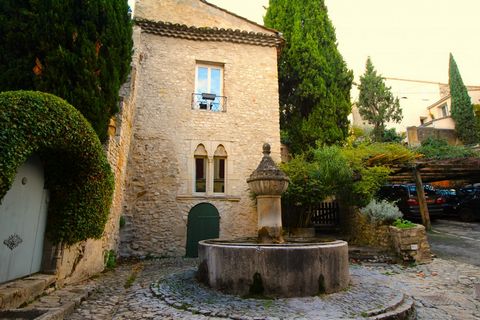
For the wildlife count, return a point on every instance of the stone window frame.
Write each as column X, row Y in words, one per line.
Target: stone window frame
column 207, row 101
column 209, row 171
column 200, row 154
column 220, row 154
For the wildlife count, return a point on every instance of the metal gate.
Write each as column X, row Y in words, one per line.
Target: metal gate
column 203, row 223
column 23, row 217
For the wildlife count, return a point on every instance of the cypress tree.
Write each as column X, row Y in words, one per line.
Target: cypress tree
column 314, row 82
column 462, row 109
column 376, row 103
column 78, row 50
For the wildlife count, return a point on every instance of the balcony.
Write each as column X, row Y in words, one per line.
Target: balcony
column 209, row 102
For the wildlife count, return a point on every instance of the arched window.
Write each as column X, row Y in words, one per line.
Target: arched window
column 219, row 169
column 200, row 169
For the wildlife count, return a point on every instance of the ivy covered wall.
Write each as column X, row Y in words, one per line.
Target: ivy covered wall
column 78, row 174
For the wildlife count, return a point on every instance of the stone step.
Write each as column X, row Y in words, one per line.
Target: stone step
column 18, row 292
column 370, row 254
column 401, row 310
column 41, row 304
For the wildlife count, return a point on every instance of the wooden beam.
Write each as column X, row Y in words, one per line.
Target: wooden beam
column 421, row 200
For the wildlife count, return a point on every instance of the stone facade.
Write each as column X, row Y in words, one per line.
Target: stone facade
column 82, row 260
column 167, row 130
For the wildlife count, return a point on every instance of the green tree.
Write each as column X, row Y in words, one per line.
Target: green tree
column 376, row 103
column 462, row 109
column 78, row 50
column 314, row 81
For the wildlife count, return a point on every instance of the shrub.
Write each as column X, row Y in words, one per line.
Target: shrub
column 78, row 174
column 381, row 211
column 434, row 148
column 403, row 224
column 110, row 259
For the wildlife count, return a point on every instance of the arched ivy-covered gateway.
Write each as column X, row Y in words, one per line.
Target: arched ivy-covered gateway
column 55, row 182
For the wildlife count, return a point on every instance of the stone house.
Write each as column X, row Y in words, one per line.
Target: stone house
column 201, row 101
column 206, row 101
column 436, row 120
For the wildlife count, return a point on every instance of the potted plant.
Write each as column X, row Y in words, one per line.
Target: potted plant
column 409, row 241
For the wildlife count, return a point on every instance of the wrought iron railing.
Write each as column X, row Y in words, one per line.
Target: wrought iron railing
column 209, row 101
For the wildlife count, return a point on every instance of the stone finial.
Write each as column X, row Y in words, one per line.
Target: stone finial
column 266, row 149
column 268, row 179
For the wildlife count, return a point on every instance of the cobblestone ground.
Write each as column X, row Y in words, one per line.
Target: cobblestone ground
column 443, row 289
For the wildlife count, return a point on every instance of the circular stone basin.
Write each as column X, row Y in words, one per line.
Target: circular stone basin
column 295, row 269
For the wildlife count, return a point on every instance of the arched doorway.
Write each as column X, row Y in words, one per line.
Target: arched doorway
column 23, row 217
column 203, row 223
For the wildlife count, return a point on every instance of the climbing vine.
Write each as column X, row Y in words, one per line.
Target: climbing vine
column 78, row 174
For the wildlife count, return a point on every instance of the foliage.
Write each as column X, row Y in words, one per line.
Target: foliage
column 370, row 179
column 381, row 211
column 462, row 110
column 403, row 224
column 78, row 175
column 434, row 148
column 353, row 174
column 314, row 82
column 376, row 103
column 110, row 259
column 391, row 135
column 379, row 154
column 313, row 181
column 77, row 50
column 313, row 177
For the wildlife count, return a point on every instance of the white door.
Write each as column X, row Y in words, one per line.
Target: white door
column 23, row 217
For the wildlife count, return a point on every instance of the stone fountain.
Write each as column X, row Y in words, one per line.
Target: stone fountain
column 270, row 265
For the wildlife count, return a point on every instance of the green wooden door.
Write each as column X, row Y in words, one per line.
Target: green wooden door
column 203, row 223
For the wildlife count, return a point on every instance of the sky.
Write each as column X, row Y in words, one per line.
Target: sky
column 408, row 39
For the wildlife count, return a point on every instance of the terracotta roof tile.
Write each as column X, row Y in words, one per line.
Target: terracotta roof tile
column 182, row 31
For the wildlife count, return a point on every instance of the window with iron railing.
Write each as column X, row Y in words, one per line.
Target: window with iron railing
column 208, row 93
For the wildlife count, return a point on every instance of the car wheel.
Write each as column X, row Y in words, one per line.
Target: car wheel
column 466, row 215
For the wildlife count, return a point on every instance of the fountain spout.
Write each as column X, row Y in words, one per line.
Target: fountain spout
column 268, row 183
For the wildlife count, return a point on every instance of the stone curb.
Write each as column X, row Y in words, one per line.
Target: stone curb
column 400, row 306
column 56, row 306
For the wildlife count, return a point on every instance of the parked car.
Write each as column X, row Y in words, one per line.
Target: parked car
column 405, row 196
column 468, row 207
column 452, row 200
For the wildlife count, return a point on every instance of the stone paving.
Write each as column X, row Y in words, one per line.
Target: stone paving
column 443, row 289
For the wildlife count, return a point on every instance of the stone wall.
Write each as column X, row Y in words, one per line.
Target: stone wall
column 82, row 260
column 418, row 134
column 159, row 193
column 411, row 244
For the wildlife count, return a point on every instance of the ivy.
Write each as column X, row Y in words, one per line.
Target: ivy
column 78, row 174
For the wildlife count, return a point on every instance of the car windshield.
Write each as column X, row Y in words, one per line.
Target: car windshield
column 429, row 190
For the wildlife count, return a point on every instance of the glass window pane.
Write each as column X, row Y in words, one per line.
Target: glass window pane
column 215, row 81
column 219, row 175
column 202, row 80
column 200, row 175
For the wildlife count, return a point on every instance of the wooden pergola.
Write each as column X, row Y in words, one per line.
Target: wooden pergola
column 438, row 170
column 423, row 170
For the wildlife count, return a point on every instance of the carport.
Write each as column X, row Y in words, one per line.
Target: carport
column 432, row 170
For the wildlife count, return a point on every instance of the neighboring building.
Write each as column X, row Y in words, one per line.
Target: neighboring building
column 425, row 109
column 207, row 100
column 437, row 121
column 439, row 113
